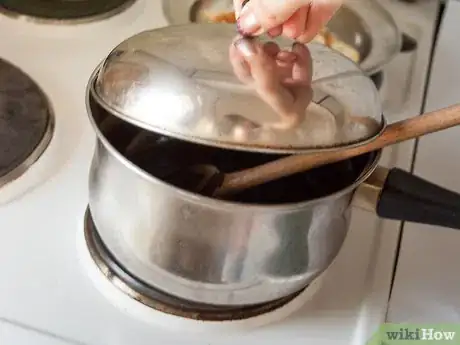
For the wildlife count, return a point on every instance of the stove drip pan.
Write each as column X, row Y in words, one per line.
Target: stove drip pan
column 26, row 122
column 65, row 11
column 162, row 301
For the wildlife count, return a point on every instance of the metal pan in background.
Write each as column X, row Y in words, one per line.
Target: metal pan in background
column 364, row 26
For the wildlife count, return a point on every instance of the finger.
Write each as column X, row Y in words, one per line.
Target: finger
column 302, row 99
column 303, row 66
column 284, row 70
column 271, row 49
column 292, row 109
column 286, row 56
column 318, row 16
column 303, row 95
column 237, row 6
column 266, row 77
column 295, row 65
column 295, row 25
column 300, row 84
column 283, row 59
column 262, row 66
column 263, row 15
column 240, row 66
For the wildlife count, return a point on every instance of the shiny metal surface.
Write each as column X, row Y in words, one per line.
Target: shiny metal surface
column 179, row 81
column 368, row 193
column 162, row 301
column 205, row 250
column 362, row 24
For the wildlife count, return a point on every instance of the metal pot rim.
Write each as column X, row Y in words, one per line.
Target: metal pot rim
column 372, row 165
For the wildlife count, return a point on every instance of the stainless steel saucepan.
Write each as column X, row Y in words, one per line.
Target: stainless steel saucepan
column 154, row 110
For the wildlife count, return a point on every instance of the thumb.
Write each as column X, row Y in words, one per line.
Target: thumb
column 262, row 15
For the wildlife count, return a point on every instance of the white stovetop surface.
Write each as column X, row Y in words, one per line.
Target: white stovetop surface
column 43, row 287
column 427, row 284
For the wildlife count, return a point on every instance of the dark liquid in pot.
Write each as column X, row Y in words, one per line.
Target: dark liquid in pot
column 163, row 157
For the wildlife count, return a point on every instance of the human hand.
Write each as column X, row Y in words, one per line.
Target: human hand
column 297, row 19
column 281, row 78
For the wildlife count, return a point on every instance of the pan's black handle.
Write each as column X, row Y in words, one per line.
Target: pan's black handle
column 409, row 198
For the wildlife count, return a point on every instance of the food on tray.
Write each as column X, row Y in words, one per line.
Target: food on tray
column 215, row 13
column 330, row 40
column 224, row 17
column 220, row 11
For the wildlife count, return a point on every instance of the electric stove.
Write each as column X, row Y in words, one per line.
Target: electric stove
column 55, row 288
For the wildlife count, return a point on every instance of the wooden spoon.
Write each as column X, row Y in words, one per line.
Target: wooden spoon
column 234, row 182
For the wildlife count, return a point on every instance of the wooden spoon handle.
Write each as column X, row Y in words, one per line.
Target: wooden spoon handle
column 394, row 133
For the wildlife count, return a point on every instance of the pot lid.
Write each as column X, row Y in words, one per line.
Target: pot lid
column 180, row 81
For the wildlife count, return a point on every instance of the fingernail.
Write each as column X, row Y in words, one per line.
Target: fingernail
column 247, row 23
column 245, row 47
column 244, row 8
